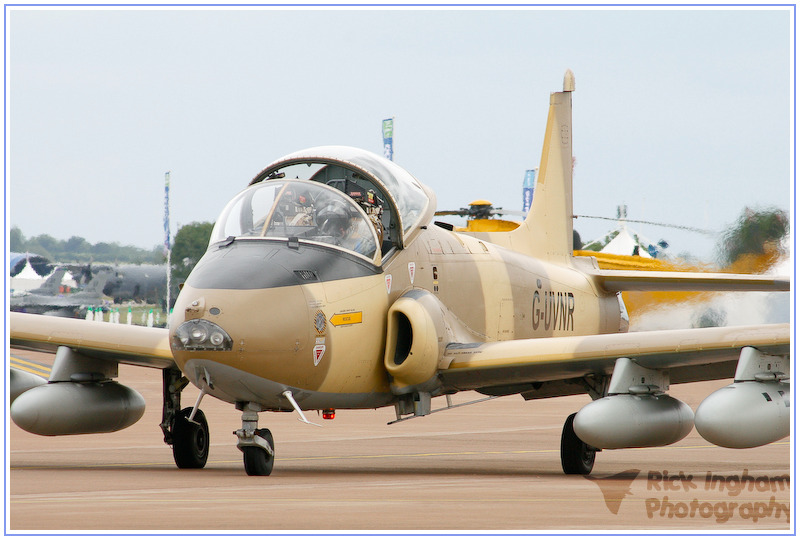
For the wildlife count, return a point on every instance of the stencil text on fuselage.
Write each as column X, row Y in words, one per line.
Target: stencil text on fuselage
column 553, row 310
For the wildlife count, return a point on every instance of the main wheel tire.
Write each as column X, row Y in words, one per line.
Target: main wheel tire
column 257, row 461
column 190, row 440
column 577, row 457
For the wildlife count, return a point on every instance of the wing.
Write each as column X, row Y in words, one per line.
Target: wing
column 120, row 343
column 635, row 280
column 548, row 367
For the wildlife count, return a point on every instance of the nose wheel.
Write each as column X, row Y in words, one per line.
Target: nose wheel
column 257, row 461
column 257, row 445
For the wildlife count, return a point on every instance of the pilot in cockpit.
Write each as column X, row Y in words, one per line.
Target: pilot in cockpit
column 371, row 203
column 295, row 207
column 334, row 219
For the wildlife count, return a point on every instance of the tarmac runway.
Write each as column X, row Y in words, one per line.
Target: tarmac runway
column 492, row 466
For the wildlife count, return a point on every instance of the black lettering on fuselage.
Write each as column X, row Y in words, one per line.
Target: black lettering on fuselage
column 555, row 311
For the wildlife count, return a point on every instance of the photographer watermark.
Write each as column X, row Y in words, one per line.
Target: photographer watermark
column 716, row 497
column 712, row 486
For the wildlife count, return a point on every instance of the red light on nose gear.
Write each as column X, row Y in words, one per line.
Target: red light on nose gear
column 329, row 414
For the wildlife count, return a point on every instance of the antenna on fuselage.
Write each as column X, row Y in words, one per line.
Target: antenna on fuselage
column 290, row 398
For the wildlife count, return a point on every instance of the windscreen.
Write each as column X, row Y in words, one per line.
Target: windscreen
column 299, row 209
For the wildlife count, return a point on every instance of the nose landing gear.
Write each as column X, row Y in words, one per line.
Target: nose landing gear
column 257, row 445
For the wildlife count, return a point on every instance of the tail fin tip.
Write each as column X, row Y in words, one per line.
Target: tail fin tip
column 569, row 81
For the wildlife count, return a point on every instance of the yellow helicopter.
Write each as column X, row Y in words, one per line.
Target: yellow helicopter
column 480, row 217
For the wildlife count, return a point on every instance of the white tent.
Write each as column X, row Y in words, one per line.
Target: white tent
column 625, row 244
column 69, row 280
column 26, row 279
column 621, row 241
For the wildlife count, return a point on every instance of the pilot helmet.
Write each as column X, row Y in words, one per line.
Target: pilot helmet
column 302, row 196
column 333, row 218
column 295, row 195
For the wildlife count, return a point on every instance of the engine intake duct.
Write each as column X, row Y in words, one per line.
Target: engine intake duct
column 418, row 330
column 412, row 342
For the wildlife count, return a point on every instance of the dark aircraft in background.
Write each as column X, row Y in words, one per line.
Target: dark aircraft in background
column 139, row 283
column 144, row 283
column 63, row 305
column 51, row 286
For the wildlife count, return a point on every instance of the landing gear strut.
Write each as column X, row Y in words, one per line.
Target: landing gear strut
column 189, row 438
column 257, row 445
column 577, row 457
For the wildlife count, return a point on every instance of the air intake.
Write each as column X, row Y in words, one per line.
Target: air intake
column 307, row 275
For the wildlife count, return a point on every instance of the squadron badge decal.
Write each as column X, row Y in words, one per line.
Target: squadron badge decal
column 320, row 322
column 319, row 350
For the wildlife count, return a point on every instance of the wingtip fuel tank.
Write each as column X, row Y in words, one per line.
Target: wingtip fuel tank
column 755, row 409
column 745, row 414
column 22, row 381
column 68, row 408
column 633, row 421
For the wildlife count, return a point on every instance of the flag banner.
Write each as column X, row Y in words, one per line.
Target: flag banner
column 388, row 138
column 527, row 189
column 166, row 212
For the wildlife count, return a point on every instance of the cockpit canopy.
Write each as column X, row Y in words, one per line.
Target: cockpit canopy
column 298, row 209
column 340, row 196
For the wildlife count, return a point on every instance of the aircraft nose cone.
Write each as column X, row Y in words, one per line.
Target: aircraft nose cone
column 271, row 337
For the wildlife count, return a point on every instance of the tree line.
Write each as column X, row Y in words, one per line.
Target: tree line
column 188, row 246
column 77, row 250
column 756, row 231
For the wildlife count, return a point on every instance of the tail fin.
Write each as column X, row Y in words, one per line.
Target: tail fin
column 98, row 283
column 547, row 231
column 52, row 283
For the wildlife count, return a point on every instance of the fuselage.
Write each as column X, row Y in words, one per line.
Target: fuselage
column 313, row 319
column 326, row 277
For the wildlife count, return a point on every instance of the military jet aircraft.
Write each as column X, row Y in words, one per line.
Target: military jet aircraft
column 137, row 282
column 51, row 286
column 326, row 286
column 51, row 302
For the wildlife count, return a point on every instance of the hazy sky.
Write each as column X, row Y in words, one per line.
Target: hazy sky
column 685, row 115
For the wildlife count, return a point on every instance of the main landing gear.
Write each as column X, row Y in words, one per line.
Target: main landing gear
column 189, row 438
column 577, row 457
column 257, row 445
